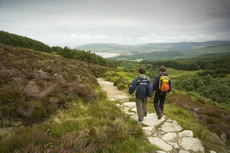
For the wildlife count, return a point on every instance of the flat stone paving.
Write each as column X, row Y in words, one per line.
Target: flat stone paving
column 165, row 133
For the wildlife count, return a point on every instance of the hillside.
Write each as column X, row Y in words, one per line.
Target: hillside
column 151, row 47
column 24, row 42
column 207, row 52
column 34, row 85
column 43, row 93
column 192, row 106
column 54, row 104
column 162, row 50
column 20, row 41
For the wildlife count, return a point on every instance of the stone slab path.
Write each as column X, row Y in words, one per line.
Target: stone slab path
column 165, row 133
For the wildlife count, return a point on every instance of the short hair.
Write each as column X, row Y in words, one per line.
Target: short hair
column 141, row 70
column 162, row 68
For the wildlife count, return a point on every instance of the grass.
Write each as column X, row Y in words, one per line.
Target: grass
column 187, row 120
column 73, row 114
column 100, row 127
column 177, row 74
column 28, row 77
column 192, row 112
column 60, row 107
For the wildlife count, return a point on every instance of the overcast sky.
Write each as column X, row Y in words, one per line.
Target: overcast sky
column 130, row 22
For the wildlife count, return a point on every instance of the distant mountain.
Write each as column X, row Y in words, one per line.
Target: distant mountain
column 127, row 49
column 207, row 52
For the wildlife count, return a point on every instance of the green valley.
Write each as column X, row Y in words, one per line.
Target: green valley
column 50, row 100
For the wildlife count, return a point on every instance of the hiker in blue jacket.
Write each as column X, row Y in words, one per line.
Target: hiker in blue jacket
column 160, row 96
column 144, row 90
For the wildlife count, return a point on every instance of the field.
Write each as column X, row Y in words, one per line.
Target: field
column 178, row 74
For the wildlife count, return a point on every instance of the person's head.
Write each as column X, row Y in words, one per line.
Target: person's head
column 162, row 69
column 141, row 70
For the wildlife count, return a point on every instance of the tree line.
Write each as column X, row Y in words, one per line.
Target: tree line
column 211, row 82
column 20, row 41
column 216, row 89
column 191, row 64
column 83, row 56
column 24, row 42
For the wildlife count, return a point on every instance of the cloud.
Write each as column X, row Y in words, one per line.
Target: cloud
column 72, row 22
column 73, row 40
column 84, row 36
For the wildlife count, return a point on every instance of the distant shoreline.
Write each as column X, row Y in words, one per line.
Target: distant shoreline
column 106, row 55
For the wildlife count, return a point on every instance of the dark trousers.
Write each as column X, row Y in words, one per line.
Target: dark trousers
column 158, row 101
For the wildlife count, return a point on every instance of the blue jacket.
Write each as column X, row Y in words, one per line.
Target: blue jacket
column 156, row 82
column 143, row 86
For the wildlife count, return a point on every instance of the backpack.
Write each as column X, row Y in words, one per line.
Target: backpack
column 164, row 83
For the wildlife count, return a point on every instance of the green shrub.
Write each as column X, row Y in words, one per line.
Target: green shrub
column 39, row 113
column 121, row 86
column 101, row 95
column 118, row 80
column 12, row 95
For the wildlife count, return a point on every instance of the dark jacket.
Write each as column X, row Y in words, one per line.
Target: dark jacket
column 156, row 82
column 143, row 86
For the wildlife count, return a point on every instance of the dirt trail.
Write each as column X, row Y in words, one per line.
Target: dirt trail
column 164, row 133
column 112, row 92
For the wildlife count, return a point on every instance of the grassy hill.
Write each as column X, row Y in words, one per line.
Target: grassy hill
column 208, row 120
column 34, row 85
column 24, row 42
column 53, row 104
column 213, row 51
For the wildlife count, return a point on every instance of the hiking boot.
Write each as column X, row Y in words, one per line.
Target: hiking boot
column 140, row 122
column 159, row 117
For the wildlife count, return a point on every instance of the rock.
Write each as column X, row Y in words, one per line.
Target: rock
column 183, row 151
column 134, row 110
column 129, row 104
column 118, row 105
column 191, row 144
column 171, row 127
column 164, row 133
column 127, row 110
column 149, row 130
column 170, row 136
column 175, row 145
column 120, row 98
column 186, row 133
column 160, row 143
column 160, row 151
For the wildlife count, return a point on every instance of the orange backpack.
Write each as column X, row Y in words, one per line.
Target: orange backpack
column 164, row 83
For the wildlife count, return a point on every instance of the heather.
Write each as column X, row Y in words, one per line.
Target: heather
column 35, row 85
column 54, row 104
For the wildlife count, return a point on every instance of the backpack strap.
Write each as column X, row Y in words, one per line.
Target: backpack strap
column 159, row 81
column 139, row 81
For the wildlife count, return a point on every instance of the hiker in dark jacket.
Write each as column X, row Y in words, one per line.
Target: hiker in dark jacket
column 144, row 90
column 159, row 95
